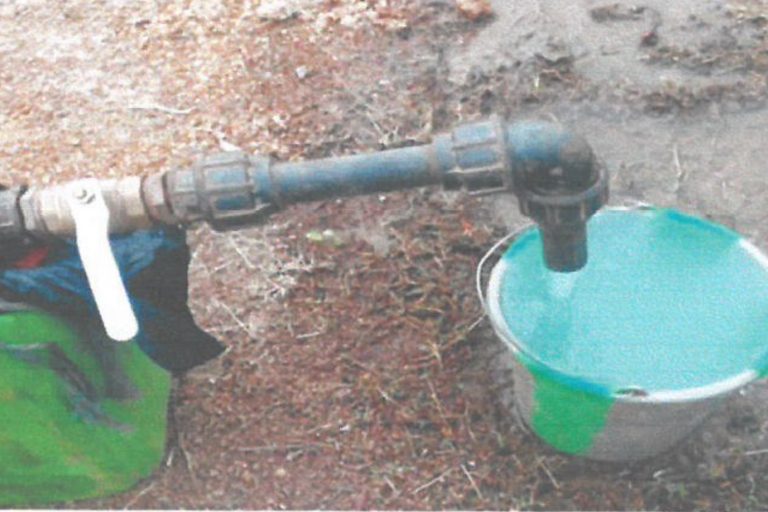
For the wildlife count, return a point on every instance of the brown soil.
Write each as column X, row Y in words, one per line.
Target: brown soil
column 358, row 373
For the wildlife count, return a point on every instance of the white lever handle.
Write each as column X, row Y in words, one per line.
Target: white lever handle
column 91, row 217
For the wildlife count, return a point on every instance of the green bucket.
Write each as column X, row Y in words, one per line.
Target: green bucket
column 61, row 437
column 623, row 359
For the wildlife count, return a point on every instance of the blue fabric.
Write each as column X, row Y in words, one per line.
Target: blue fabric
column 153, row 264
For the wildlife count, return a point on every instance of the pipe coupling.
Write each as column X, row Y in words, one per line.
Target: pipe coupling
column 225, row 190
column 565, row 208
column 479, row 156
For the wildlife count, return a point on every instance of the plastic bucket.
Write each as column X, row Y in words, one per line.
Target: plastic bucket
column 623, row 359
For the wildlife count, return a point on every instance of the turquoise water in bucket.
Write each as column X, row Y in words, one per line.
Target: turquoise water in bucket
column 667, row 302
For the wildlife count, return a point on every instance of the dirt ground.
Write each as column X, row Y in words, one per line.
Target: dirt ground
column 360, row 373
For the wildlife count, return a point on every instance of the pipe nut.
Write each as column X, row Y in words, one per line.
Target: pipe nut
column 565, row 208
column 155, row 201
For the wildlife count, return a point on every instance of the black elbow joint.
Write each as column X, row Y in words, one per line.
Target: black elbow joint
column 560, row 184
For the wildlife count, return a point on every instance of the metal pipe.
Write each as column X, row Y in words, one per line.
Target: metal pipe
column 47, row 210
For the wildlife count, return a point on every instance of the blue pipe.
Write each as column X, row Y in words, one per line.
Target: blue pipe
column 552, row 171
column 477, row 156
column 353, row 175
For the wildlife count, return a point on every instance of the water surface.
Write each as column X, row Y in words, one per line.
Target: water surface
column 666, row 302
